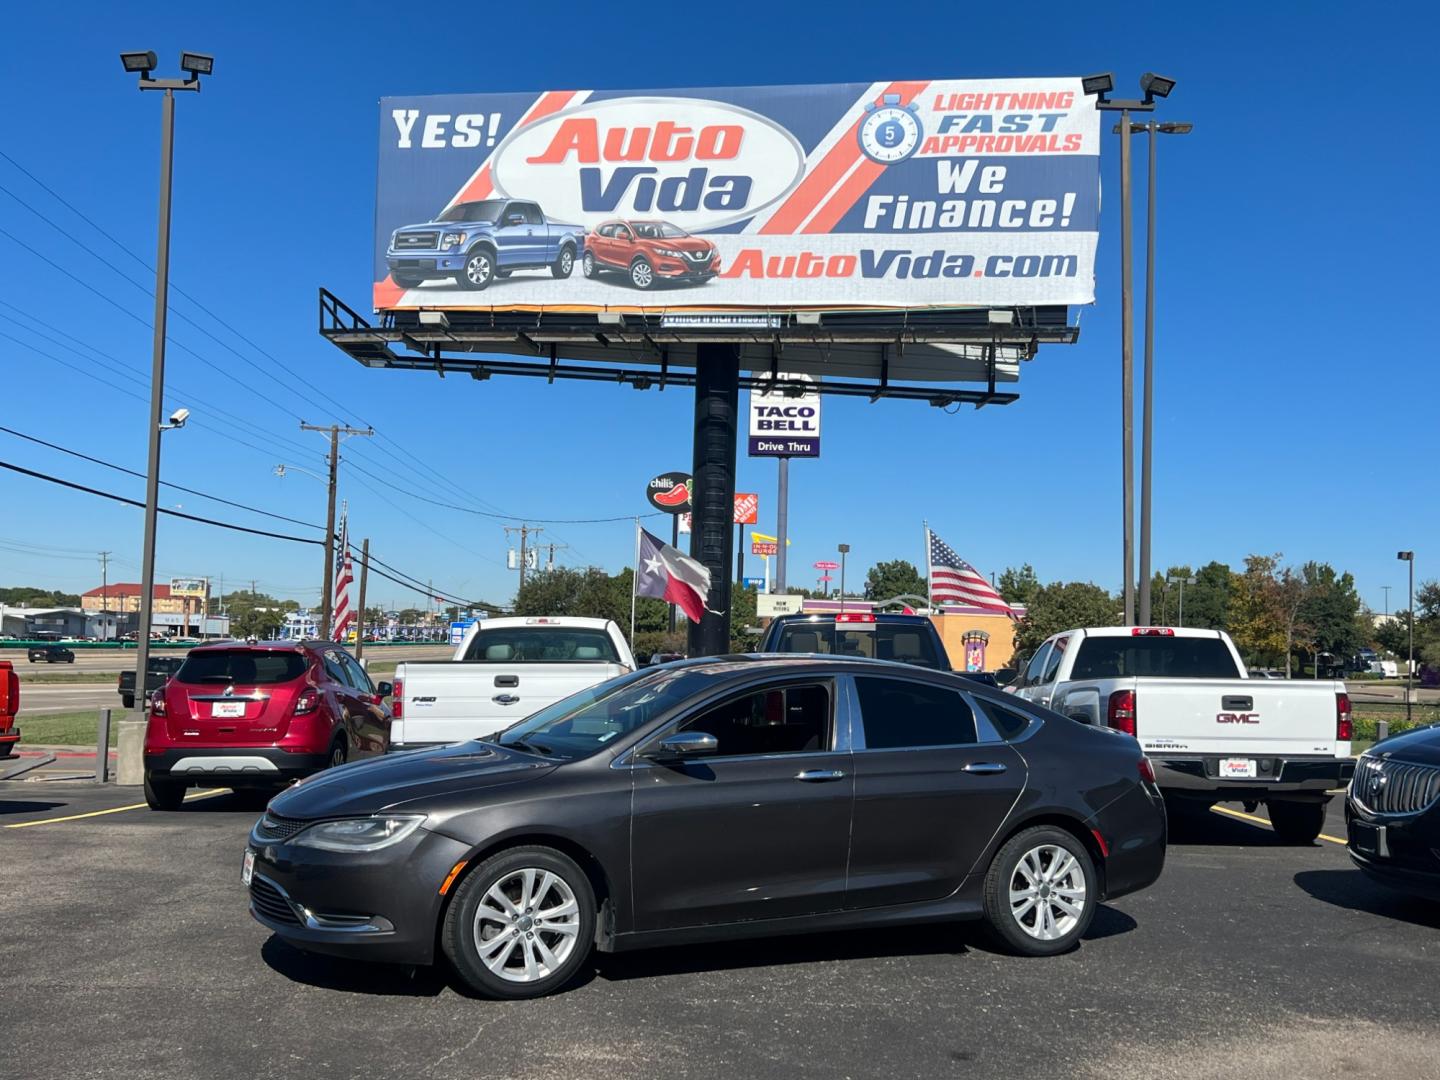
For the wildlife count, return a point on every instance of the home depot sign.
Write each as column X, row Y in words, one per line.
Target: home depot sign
column 747, row 511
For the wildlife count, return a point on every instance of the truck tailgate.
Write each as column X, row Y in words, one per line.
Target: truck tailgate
column 452, row 701
column 1246, row 716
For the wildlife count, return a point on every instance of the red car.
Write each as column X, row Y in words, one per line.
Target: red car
column 649, row 251
column 260, row 715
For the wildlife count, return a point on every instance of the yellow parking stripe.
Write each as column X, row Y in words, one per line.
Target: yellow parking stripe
column 1263, row 821
column 205, row 794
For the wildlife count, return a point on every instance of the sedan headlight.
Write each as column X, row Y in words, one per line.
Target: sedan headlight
column 453, row 239
column 359, row 834
column 670, row 252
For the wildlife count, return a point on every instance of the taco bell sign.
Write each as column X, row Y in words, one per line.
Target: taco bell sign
column 784, row 424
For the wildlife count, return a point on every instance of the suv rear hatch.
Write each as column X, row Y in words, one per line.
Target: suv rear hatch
column 234, row 697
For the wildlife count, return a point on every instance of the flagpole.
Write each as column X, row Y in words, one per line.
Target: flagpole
column 634, row 584
column 929, row 573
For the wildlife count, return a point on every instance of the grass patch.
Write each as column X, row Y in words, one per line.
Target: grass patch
column 31, row 677
column 67, row 728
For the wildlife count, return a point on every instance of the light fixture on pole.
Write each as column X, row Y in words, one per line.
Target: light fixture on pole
column 1409, row 557
column 1182, row 582
column 844, row 550
column 142, row 64
column 1100, row 86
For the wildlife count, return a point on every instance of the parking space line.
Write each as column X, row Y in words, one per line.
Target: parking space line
column 1263, row 821
column 204, row 794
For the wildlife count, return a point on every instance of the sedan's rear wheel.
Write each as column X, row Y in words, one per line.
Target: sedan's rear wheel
column 521, row 924
column 1040, row 892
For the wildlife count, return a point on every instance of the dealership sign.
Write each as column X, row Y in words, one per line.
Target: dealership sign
column 670, row 492
column 784, row 423
column 908, row 194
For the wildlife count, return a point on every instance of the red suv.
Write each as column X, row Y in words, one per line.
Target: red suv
column 258, row 715
column 649, row 251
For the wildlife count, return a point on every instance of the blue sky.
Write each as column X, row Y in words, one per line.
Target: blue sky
column 1297, row 387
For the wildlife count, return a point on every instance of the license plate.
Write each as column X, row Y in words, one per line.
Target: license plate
column 247, row 867
column 1369, row 839
column 227, row 710
column 1237, row 768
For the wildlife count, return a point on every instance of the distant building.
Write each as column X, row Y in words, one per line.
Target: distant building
column 57, row 624
column 177, row 609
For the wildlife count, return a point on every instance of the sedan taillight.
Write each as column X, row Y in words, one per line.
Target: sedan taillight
column 307, row 702
column 1120, row 714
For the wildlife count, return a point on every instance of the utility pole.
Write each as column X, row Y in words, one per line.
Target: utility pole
column 550, row 563
column 364, row 577
column 328, row 580
column 526, row 533
column 105, row 593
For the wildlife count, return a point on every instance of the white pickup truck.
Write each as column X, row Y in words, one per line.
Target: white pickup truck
column 502, row 671
column 1212, row 733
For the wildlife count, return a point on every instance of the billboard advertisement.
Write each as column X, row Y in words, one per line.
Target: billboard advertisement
column 909, row 194
column 189, row 587
column 784, row 424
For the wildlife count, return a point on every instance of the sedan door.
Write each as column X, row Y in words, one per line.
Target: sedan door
column 930, row 794
column 757, row 830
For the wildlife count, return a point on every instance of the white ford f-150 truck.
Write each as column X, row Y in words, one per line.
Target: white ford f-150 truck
column 502, row 671
column 1212, row 734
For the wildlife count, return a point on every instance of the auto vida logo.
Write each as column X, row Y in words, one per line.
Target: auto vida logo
column 1237, row 718
column 696, row 163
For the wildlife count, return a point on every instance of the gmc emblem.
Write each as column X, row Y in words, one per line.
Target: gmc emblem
column 1237, row 718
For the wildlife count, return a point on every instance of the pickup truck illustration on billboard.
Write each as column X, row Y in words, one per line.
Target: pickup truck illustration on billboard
column 649, row 251
column 476, row 242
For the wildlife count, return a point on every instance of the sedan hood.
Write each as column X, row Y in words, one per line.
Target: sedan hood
column 1419, row 747
column 389, row 783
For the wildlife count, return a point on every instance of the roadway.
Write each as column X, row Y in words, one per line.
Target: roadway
column 129, row 953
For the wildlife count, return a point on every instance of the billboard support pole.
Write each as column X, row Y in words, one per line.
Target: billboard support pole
column 675, row 543
column 782, row 521
column 717, row 393
column 1127, row 370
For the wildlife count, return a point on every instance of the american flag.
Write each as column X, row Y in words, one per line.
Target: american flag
column 344, row 616
column 955, row 580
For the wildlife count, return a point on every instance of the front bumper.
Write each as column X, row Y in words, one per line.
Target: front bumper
column 427, row 264
column 1408, row 858
column 685, row 270
column 379, row 905
column 233, row 766
column 1197, row 777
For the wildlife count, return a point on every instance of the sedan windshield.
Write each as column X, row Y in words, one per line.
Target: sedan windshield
column 485, row 210
column 658, row 230
column 585, row 723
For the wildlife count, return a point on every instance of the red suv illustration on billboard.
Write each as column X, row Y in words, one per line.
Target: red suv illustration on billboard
column 649, row 251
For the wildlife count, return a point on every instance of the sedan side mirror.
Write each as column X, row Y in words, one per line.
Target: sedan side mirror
column 684, row 744
column 385, row 689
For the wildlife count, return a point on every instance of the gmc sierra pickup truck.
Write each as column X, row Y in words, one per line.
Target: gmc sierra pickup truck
column 476, row 242
column 503, row 670
column 1212, row 734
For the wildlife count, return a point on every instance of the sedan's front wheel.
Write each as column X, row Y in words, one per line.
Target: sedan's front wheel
column 1040, row 893
column 521, row 924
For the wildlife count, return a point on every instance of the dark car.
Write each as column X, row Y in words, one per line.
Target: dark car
column 50, row 654
column 1392, row 811
column 711, row 799
column 260, row 714
column 908, row 639
column 158, row 670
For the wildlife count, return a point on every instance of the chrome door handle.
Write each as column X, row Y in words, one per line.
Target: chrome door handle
column 984, row 767
column 819, row 776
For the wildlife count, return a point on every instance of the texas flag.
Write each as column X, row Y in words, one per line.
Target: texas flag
column 667, row 575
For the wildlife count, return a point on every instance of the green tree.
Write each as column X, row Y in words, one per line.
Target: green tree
column 1018, row 586
column 898, row 577
column 256, row 615
column 1255, row 613
column 31, row 596
column 1206, row 601
column 1064, row 606
column 1328, row 610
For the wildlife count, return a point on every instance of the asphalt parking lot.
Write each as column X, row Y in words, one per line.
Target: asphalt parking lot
column 128, row 951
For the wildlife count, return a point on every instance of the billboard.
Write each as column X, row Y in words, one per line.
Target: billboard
column 189, row 587
column 909, row 194
column 784, row 424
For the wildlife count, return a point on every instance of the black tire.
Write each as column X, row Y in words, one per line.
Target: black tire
column 642, row 274
column 6, row 749
column 479, row 270
column 458, row 934
column 587, row 265
column 1297, row 822
column 127, row 700
column 405, row 281
column 339, row 752
column 564, row 264
column 1009, row 927
column 163, row 794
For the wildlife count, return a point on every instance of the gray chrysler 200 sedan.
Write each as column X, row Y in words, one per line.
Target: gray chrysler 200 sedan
column 713, row 798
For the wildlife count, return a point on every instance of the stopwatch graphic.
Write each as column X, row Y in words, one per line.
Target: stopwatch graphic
column 890, row 132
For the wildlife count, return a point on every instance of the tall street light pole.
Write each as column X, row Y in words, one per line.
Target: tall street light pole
column 143, row 64
column 1409, row 557
column 1153, row 86
column 844, row 550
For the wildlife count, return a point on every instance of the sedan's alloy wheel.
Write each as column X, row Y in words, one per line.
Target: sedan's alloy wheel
column 527, row 925
column 1047, row 892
